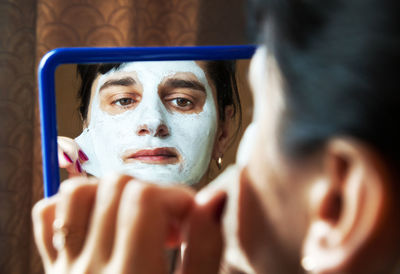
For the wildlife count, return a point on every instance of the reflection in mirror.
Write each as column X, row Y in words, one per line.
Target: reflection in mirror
column 163, row 121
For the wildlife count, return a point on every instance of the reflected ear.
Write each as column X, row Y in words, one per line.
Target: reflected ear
column 347, row 205
column 223, row 134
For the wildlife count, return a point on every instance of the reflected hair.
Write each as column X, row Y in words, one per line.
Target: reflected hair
column 221, row 72
column 340, row 62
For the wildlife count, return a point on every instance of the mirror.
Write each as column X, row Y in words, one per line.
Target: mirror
column 162, row 119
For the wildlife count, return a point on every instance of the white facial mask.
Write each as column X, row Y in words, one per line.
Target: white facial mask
column 192, row 135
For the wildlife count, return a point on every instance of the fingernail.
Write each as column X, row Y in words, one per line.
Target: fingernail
column 219, row 209
column 82, row 155
column 67, row 157
column 78, row 167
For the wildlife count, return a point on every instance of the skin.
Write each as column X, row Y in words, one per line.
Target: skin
column 331, row 207
column 337, row 208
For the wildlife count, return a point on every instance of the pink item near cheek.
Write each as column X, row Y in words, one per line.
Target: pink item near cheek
column 67, row 157
column 83, row 156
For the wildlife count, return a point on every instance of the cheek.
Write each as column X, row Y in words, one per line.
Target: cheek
column 199, row 126
column 194, row 129
column 264, row 173
column 116, row 130
column 264, row 190
column 255, row 231
column 265, row 222
column 279, row 195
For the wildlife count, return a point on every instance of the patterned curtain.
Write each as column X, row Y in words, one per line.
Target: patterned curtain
column 29, row 29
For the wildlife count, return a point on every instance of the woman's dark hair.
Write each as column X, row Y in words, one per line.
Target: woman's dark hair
column 340, row 63
column 221, row 72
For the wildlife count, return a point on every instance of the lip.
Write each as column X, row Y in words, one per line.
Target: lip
column 160, row 156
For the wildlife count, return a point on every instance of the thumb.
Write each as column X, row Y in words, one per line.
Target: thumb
column 203, row 242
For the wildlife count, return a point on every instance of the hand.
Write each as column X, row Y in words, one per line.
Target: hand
column 230, row 182
column 71, row 157
column 121, row 225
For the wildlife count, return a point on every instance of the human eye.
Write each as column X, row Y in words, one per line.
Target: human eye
column 181, row 103
column 124, row 102
column 115, row 100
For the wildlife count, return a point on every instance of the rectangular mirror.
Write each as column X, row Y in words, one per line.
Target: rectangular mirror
column 169, row 115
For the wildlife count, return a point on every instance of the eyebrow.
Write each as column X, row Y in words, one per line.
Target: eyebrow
column 126, row 82
column 180, row 83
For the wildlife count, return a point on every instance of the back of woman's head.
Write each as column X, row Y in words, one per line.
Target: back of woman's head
column 339, row 60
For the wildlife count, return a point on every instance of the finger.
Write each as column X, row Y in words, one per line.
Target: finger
column 64, row 160
column 73, row 211
column 145, row 216
column 43, row 214
column 222, row 183
column 82, row 156
column 203, row 236
column 70, row 156
column 228, row 182
column 74, row 168
column 70, row 147
column 102, row 224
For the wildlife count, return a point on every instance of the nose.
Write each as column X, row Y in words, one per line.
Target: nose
column 160, row 130
column 152, row 122
column 151, row 118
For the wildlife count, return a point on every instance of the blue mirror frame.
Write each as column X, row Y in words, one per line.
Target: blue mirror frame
column 56, row 57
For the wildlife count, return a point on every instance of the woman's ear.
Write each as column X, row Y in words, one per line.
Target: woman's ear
column 347, row 205
column 223, row 134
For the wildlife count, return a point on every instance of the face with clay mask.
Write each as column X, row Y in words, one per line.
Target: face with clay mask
column 156, row 121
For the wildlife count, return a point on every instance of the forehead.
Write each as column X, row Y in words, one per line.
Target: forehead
column 156, row 72
column 160, row 69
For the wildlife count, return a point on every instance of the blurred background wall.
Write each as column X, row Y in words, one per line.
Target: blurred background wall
column 30, row 28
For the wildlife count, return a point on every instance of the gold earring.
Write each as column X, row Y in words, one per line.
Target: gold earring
column 219, row 162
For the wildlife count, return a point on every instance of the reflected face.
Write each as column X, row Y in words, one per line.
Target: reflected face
column 272, row 194
column 155, row 121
